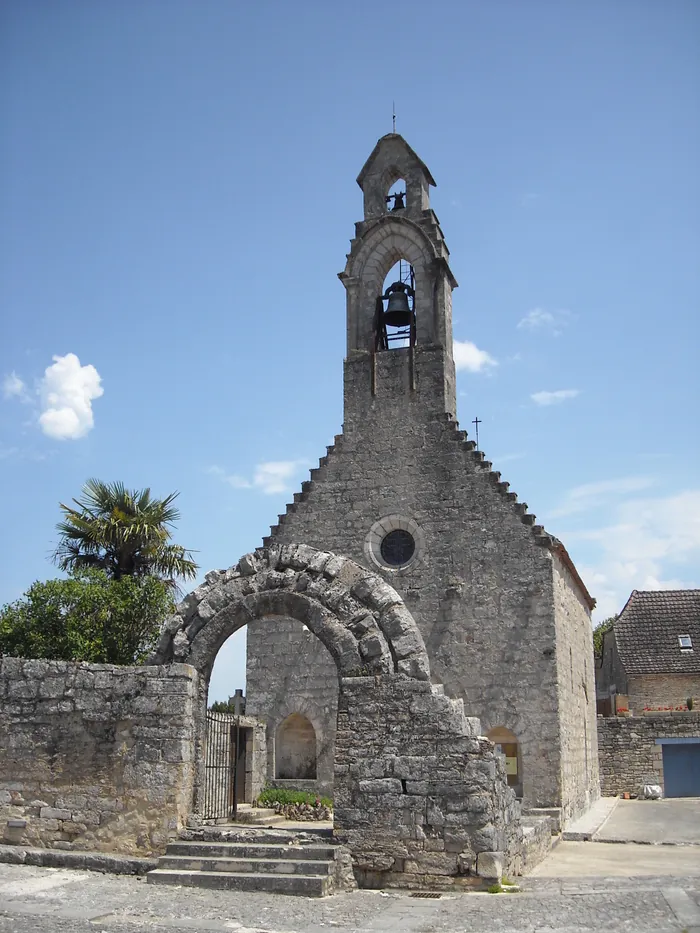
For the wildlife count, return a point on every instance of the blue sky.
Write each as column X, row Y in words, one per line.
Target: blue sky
column 177, row 194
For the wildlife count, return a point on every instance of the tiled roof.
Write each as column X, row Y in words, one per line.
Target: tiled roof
column 647, row 632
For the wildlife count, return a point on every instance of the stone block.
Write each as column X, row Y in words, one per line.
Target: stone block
column 248, row 565
column 431, row 863
column 54, row 813
column 381, row 786
column 490, row 865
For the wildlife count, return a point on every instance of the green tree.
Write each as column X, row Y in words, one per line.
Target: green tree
column 86, row 617
column 598, row 633
column 222, row 706
column 124, row 532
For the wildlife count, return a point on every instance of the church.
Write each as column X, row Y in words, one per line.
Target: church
column 504, row 615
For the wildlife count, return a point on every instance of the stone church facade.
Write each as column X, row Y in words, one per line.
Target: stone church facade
column 503, row 613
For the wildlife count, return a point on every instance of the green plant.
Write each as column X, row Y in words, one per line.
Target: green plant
column 86, row 617
column 494, row 889
column 285, row 797
column 123, row 532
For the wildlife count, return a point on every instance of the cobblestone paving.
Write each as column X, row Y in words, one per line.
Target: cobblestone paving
column 40, row 900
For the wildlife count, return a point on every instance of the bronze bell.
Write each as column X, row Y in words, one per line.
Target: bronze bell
column 398, row 311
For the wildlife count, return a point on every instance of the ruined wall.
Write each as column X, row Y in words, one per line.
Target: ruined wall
column 661, row 690
column 629, row 755
column 577, row 701
column 420, row 798
column 95, row 756
column 481, row 586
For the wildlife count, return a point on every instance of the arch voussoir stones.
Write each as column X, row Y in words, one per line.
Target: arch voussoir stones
column 357, row 615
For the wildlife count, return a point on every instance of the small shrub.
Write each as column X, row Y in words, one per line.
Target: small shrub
column 284, row 797
column 494, row 889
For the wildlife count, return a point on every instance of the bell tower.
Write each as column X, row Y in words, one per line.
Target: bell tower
column 399, row 329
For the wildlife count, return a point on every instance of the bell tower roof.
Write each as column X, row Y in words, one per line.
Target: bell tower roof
column 393, row 148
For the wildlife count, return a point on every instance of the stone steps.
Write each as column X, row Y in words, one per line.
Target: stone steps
column 305, row 885
column 238, row 865
column 261, row 816
column 274, row 862
column 254, row 850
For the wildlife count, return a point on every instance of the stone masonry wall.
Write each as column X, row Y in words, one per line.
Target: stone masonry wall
column 661, row 690
column 420, row 798
column 577, row 702
column 481, row 589
column 629, row 755
column 95, row 756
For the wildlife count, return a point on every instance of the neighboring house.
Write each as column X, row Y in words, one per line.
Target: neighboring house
column 652, row 653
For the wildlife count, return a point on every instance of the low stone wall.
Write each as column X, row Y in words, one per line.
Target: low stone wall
column 627, row 749
column 537, row 841
column 95, row 756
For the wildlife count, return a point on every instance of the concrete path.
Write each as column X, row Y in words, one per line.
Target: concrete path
column 672, row 821
column 587, row 825
column 584, row 860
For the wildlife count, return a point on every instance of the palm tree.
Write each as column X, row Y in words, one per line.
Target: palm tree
column 123, row 532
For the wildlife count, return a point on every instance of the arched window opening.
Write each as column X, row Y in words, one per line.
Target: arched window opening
column 295, row 749
column 396, row 197
column 507, row 744
column 396, row 309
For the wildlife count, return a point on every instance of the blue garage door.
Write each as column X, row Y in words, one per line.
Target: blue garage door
column 682, row 770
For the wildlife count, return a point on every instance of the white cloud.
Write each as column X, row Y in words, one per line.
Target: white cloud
column 270, row 477
column 539, row 319
column 554, row 398
column 590, row 495
column 468, row 356
column 67, row 392
column 650, row 544
column 13, row 387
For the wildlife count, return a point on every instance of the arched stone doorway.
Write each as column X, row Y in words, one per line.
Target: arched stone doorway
column 295, row 749
column 417, row 792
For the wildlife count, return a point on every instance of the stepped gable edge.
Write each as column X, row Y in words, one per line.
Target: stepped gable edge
column 541, row 537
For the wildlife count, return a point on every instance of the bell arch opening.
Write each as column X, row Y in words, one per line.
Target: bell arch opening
column 396, row 308
column 295, row 749
column 396, row 197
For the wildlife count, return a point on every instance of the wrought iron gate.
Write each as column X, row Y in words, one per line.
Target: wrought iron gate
column 221, row 767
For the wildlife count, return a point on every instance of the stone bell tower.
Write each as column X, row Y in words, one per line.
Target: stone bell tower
column 394, row 353
column 503, row 613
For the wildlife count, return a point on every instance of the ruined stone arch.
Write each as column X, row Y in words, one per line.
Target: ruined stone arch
column 411, row 772
column 360, row 619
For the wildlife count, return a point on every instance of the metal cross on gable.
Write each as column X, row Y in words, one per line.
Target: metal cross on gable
column 476, row 422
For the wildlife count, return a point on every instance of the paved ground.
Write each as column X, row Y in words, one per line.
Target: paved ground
column 574, row 891
column 676, row 820
column 586, row 860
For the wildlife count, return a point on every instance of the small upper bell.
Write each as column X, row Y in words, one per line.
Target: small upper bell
column 398, row 311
